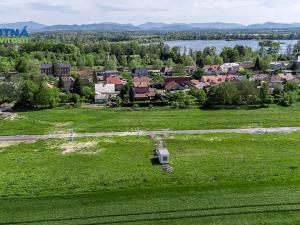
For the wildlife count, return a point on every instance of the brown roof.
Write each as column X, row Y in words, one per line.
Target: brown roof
column 141, row 84
column 195, row 82
column 212, row 67
column 216, row 79
column 260, row 77
column 172, row 86
column 144, row 79
column 115, row 79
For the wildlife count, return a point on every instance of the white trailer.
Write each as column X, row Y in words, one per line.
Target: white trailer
column 163, row 156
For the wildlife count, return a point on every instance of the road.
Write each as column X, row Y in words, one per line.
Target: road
column 149, row 133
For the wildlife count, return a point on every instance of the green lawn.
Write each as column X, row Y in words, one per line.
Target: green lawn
column 217, row 179
column 97, row 120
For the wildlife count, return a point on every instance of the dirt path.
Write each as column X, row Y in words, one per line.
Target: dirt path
column 150, row 133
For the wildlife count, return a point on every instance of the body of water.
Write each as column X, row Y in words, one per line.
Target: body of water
column 199, row 45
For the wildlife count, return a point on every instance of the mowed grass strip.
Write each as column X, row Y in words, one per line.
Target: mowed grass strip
column 217, row 179
column 99, row 120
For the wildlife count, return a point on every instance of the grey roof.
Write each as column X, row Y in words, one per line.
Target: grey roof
column 163, row 151
column 45, row 66
column 140, row 71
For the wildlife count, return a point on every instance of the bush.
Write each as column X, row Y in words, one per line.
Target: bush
column 288, row 99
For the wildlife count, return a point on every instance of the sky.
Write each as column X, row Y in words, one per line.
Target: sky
column 140, row 11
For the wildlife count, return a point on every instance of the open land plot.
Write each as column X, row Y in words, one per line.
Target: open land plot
column 103, row 120
column 217, row 179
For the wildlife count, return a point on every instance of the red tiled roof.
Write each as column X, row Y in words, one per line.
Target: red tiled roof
column 216, row 79
column 113, row 79
column 144, row 79
column 212, row 67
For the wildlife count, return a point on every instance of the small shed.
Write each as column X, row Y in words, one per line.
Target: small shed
column 163, row 156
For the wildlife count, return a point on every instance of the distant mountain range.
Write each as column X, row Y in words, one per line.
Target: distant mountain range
column 114, row 27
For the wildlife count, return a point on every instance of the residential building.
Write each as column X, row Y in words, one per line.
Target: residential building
column 62, row 69
column 108, row 73
column 142, row 90
column 140, row 72
column 212, row 69
column 104, row 92
column 247, row 65
column 177, row 83
column 277, row 65
column 217, row 79
column 167, row 71
column 231, row 68
column 190, row 70
column 118, row 81
column 199, row 84
column 68, row 83
column 46, row 69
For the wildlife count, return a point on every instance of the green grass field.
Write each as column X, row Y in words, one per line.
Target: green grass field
column 98, row 120
column 217, row 179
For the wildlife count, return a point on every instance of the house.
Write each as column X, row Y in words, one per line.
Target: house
column 116, row 80
column 294, row 64
column 198, row 84
column 240, row 78
column 286, row 77
column 142, row 90
column 177, row 83
column 190, row 70
column 46, row 69
column 260, row 77
column 61, row 71
column 231, row 68
column 212, row 69
column 104, row 92
column 247, row 65
column 108, row 73
column 273, row 81
column 68, row 83
column 277, row 65
column 140, row 72
column 173, row 86
column 217, row 79
column 167, row 71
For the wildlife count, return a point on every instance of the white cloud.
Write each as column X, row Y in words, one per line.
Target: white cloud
column 140, row 11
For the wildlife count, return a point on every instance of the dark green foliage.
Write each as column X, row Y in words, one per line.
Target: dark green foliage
column 223, row 94
column 200, row 95
column 60, row 83
column 78, row 87
column 198, row 74
column 230, row 55
column 290, row 86
column 27, row 94
column 46, row 97
column 288, row 98
column 264, row 94
column 181, row 99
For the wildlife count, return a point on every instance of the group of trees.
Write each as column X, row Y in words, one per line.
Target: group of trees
column 233, row 94
column 246, row 93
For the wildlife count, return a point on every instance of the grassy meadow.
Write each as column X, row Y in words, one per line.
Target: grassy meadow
column 217, row 179
column 97, row 120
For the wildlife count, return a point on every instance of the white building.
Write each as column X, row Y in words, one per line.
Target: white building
column 230, row 68
column 104, row 92
column 276, row 65
column 163, row 156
